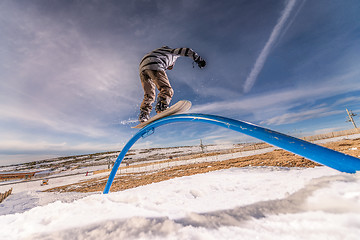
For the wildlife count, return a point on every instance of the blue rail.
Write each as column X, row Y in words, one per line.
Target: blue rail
column 316, row 153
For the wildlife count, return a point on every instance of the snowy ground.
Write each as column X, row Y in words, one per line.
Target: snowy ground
column 238, row 203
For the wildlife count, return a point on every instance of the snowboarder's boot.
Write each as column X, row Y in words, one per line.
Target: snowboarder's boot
column 143, row 116
column 161, row 105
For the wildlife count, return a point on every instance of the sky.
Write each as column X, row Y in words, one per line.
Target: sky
column 69, row 81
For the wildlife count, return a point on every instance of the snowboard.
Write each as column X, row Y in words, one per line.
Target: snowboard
column 179, row 107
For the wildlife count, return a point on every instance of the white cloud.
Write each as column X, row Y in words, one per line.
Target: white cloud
column 286, row 98
column 346, row 100
column 46, row 118
column 19, row 146
column 260, row 61
column 293, row 117
column 277, row 106
column 61, row 79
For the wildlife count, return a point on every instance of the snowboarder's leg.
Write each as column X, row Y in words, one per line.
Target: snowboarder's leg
column 149, row 95
column 165, row 91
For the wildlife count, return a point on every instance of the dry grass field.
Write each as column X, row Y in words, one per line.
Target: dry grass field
column 278, row 158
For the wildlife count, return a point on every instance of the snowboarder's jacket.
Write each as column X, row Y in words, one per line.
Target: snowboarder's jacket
column 164, row 58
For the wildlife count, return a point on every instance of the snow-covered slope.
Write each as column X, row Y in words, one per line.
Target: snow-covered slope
column 247, row 203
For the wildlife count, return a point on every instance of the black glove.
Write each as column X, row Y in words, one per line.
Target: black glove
column 201, row 63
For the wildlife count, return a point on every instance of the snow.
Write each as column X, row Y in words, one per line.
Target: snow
column 237, row 203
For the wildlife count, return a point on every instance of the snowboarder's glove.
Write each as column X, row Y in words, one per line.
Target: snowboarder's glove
column 201, row 62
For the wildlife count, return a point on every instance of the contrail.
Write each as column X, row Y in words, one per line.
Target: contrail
column 259, row 63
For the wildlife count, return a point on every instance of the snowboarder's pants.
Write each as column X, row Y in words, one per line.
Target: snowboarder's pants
column 151, row 79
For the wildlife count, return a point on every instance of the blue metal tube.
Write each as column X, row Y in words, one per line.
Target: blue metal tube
column 316, row 153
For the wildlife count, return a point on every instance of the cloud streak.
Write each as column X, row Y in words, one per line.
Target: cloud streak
column 260, row 61
column 288, row 118
column 58, row 78
column 278, row 105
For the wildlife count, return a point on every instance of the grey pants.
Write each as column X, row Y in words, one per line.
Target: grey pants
column 151, row 79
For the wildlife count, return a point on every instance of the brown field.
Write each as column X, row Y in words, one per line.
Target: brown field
column 278, row 158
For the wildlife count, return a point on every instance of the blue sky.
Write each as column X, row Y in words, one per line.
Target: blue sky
column 69, row 79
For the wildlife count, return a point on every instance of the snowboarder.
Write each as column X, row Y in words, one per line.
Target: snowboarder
column 152, row 74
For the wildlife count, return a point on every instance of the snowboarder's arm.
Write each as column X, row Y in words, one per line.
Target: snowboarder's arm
column 186, row 52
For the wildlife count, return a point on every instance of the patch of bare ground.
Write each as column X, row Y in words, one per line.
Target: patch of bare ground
column 279, row 158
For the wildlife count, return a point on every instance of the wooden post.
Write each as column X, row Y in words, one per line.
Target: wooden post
column 5, row 195
column 351, row 115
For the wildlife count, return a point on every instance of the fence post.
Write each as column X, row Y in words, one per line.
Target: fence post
column 3, row 196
